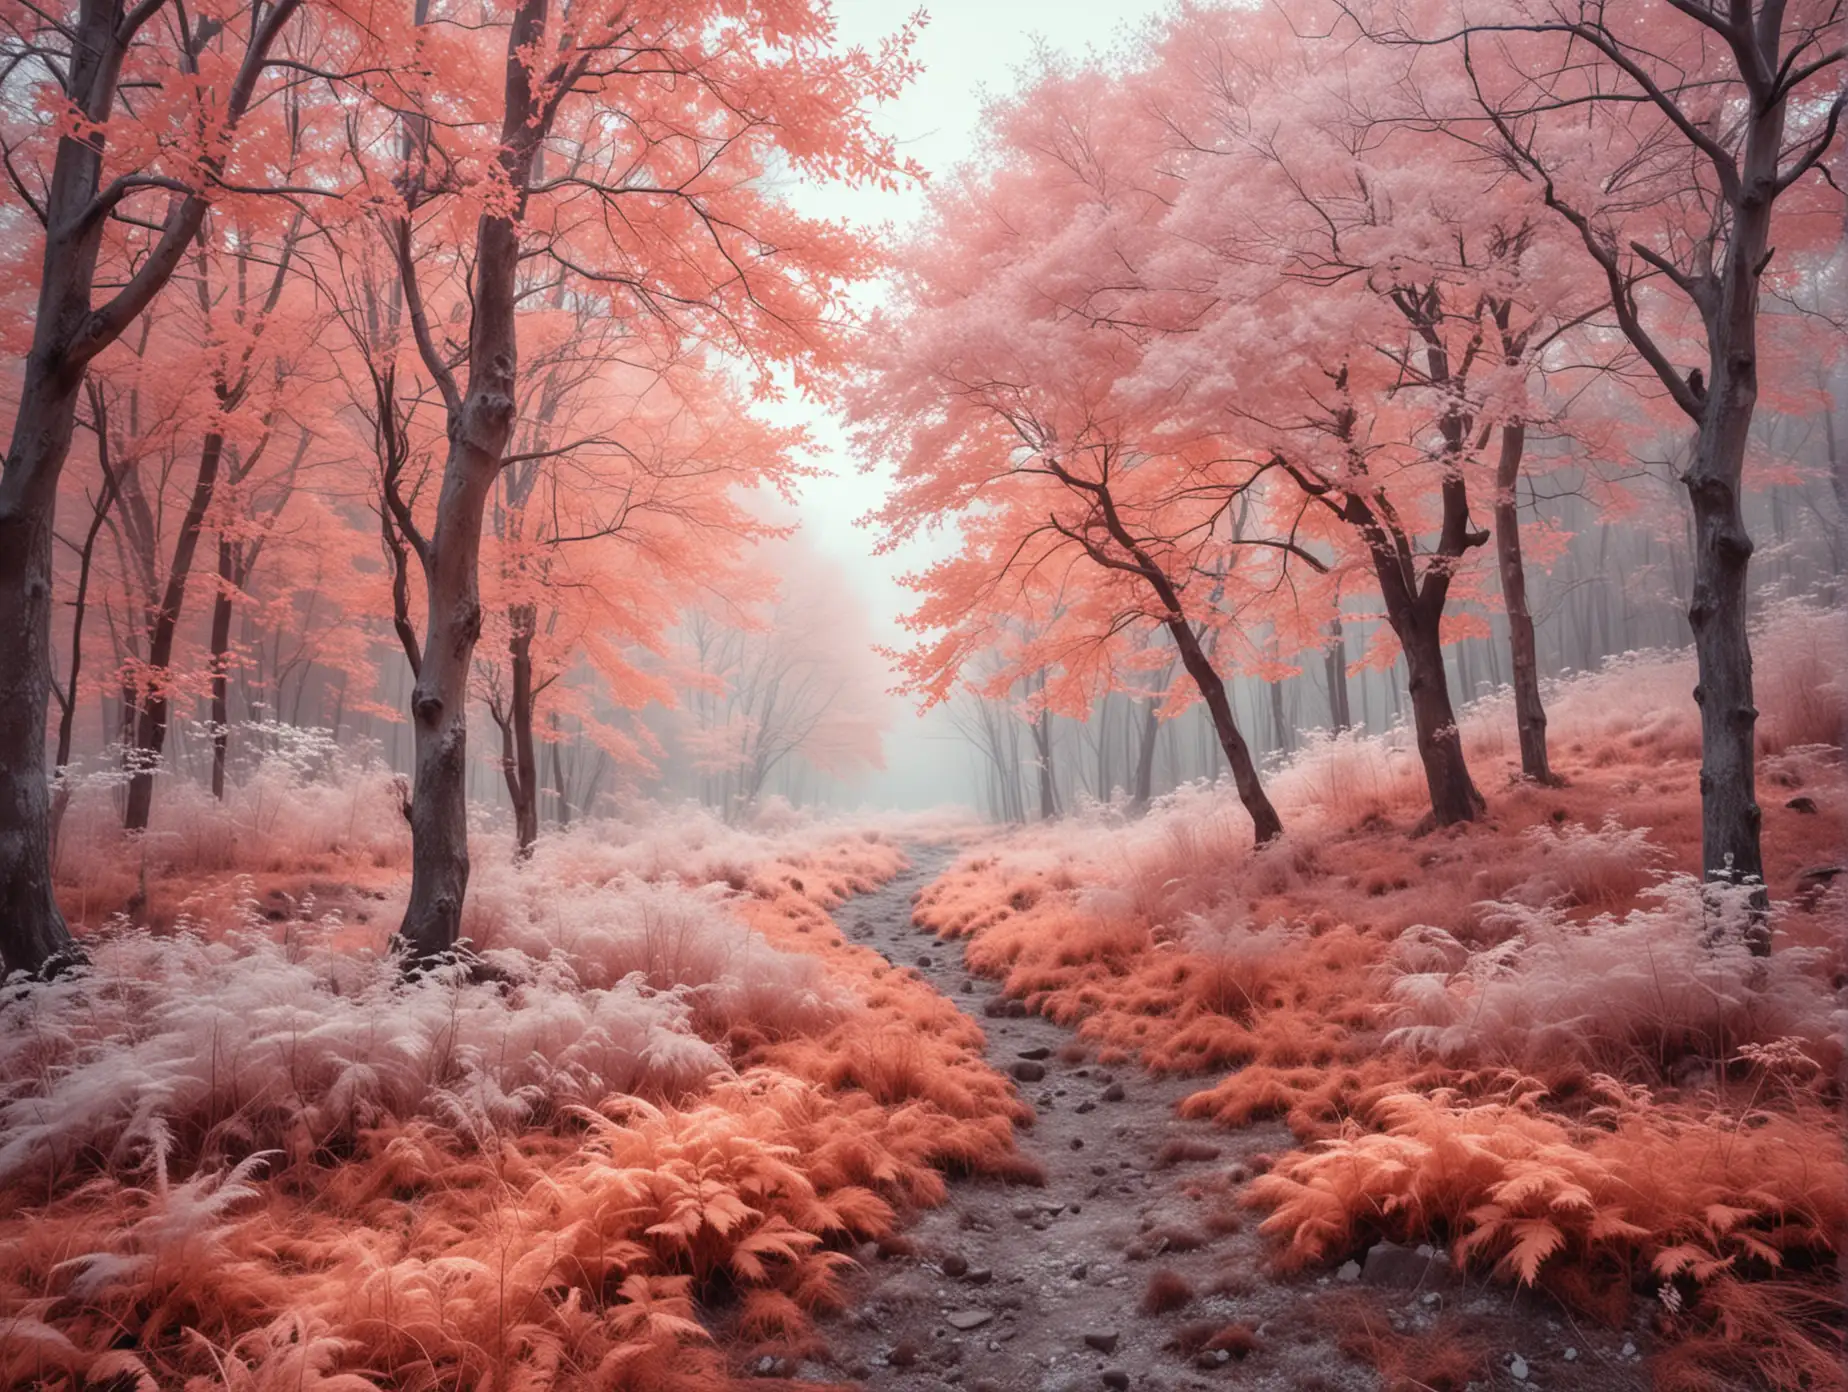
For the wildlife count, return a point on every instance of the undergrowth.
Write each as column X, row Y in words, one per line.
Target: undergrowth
column 1541, row 1040
column 243, row 1151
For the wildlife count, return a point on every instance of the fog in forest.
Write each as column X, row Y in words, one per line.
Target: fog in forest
column 775, row 695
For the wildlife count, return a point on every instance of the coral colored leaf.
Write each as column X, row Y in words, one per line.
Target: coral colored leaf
column 1535, row 1239
column 1723, row 1218
column 1610, row 1223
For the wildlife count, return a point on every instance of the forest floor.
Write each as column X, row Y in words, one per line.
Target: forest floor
column 1133, row 1267
column 1108, row 1102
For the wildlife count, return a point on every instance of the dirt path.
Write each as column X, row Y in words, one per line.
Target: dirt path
column 1018, row 1289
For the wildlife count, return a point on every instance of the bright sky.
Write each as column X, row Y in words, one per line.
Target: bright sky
column 968, row 47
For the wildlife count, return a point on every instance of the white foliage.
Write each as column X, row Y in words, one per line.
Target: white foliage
column 613, row 977
column 250, row 1039
column 184, row 1228
column 1672, row 978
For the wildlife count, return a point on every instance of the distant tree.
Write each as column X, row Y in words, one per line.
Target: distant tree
column 789, row 679
column 626, row 500
column 238, row 277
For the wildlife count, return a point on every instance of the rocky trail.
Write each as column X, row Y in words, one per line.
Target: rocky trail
column 1133, row 1266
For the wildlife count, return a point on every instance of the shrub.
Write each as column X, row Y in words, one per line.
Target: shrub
column 1673, row 980
column 1691, row 1199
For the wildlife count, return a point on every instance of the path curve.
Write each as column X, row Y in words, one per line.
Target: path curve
column 1010, row 1288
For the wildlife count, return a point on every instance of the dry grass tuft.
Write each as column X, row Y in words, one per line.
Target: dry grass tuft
column 1166, row 1292
column 1445, row 1358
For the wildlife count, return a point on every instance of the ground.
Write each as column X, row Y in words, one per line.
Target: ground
column 1010, row 1288
column 1114, row 1102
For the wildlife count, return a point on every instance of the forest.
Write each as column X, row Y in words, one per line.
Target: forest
column 693, row 697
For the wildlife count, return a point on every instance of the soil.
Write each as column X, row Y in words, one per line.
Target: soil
column 1010, row 1288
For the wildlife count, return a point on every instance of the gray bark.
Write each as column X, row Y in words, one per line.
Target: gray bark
column 1529, row 710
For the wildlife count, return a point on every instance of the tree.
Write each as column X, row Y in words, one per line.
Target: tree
column 993, row 386
column 184, row 142
column 785, row 679
column 233, row 319
column 625, row 501
column 250, row 509
column 101, row 501
column 1685, row 145
column 1336, row 307
column 661, row 219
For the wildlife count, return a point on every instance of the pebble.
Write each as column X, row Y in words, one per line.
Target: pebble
column 966, row 1320
column 1350, row 1271
column 1116, row 1379
column 1570, row 1355
column 1114, row 1093
column 1629, row 1349
column 1028, row 1072
column 980, row 1275
column 1085, row 1106
column 954, row 1265
column 903, row 1354
column 1103, row 1340
column 1517, row 1368
column 1037, row 1052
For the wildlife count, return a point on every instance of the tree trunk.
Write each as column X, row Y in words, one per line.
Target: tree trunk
column 1529, row 712
column 1730, row 815
column 220, row 665
column 519, row 767
column 1266, row 825
column 32, row 931
column 558, row 772
column 80, row 602
column 1415, row 611
column 1440, row 744
column 1145, row 757
column 480, row 426
column 1280, row 723
column 1042, row 747
column 152, row 705
column 439, row 697
column 1334, row 667
column 1101, row 727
